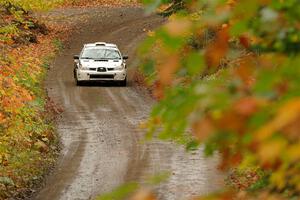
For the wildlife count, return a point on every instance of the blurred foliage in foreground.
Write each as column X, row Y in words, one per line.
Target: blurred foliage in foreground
column 136, row 191
column 228, row 73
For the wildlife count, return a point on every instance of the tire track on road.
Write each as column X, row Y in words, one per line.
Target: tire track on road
column 99, row 127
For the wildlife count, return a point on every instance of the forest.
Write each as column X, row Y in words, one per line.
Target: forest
column 224, row 75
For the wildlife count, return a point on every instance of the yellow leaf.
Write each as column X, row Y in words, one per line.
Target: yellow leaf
column 278, row 179
column 270, row 151
column 293, row 152
column 286, row 114
column 150, row 33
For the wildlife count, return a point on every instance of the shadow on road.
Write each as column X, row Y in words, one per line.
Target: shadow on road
column 103, row 84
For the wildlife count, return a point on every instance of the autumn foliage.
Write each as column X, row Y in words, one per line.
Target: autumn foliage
column 27, row 138
column 228, row 73
column 101, row 3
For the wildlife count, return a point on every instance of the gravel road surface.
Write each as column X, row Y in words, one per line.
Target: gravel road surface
column 99, row 131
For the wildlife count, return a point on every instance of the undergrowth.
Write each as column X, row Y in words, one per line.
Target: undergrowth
column 28, row 143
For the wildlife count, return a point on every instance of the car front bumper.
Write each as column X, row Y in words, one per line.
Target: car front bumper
column 87, row 75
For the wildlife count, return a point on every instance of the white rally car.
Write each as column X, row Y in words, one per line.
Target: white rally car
column 100, row 61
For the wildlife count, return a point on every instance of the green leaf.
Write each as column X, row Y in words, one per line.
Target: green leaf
column 195, row 63
column 192, row 145
column 239, row 28
column 120, row 193
column 159, row 178
column 172, row 43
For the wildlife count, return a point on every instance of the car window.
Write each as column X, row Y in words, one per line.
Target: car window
column 97, row 53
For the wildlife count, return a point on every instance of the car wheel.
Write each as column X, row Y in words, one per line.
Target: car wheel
column 74, row 73
column 78, row 83
column 124, row 82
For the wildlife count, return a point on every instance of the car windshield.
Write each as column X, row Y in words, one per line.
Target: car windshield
column 100, row 53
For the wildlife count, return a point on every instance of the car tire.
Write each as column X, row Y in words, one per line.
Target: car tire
column 123, row 83
column 78, row 83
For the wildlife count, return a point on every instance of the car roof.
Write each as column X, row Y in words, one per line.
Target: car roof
column 101, row 44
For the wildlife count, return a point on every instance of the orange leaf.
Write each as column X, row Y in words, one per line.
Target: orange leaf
column 231, row 120
column 178, row 27
column 245, row 70
column 244, row 41
column 218, row 49
column 203, row 129
column 2, row 118
column 246, row 106
column 158, row 91
column 143, row 195
column 167, row 69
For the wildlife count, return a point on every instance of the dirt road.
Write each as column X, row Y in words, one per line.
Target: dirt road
column 98, row 129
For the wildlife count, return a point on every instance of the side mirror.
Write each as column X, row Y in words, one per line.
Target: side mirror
column 125, row 57
column 76, row 57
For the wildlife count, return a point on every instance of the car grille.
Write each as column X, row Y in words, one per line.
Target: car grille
column 101, row 69
column 101, row 76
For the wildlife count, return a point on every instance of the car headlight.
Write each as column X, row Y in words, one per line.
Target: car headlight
column 85, row 68
column 121, row 67
column 82, row 68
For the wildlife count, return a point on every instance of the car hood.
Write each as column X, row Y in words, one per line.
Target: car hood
column 100, row 63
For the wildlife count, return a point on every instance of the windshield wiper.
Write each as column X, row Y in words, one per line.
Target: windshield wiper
column 85, row 58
